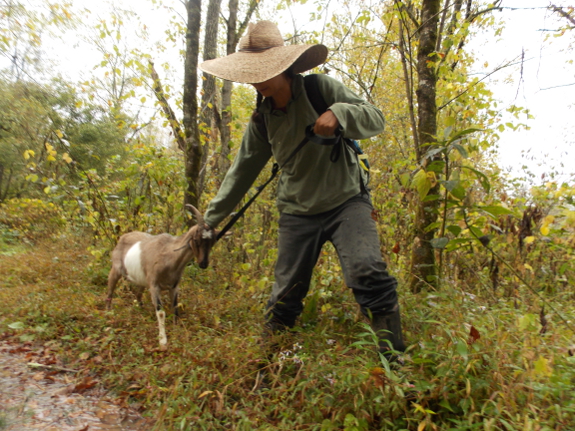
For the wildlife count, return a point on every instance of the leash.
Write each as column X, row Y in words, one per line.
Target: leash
column 309, row 136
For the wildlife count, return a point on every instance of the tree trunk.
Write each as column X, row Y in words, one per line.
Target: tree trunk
column 234, row 34
column 423, row 266
column 209, row 108
column 193, row 149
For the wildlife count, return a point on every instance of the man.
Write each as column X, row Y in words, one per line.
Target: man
column 320, row 197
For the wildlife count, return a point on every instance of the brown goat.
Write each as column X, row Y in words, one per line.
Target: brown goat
column 157, row 262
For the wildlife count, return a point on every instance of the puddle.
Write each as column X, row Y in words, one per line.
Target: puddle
column 49, row 400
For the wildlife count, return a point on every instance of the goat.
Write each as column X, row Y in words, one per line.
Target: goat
column 157, row 262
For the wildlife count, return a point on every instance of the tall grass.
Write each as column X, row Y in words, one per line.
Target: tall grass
column 477, row 358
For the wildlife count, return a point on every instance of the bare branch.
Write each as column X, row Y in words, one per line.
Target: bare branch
column 168, row 111
column 564, row 14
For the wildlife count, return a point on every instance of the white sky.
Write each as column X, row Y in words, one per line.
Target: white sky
column 546, row 86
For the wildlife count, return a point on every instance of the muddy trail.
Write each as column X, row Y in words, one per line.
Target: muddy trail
column 37, row 394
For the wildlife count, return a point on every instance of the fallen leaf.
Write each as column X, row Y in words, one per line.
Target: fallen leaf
column 473, row 335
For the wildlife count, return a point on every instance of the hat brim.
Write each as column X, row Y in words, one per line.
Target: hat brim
column 255, row 67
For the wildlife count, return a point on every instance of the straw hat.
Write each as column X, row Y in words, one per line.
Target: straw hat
column 263, row 55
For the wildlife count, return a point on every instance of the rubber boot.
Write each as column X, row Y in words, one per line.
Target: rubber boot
column 388, row 330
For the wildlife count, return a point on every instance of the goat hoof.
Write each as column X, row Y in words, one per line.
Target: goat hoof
column 163, row 347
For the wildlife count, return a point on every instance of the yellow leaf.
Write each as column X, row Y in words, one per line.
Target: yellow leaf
column 59, row 134
column 544, row 230
column 49, row 147
column 51, row 158
column 529, row 267
column 66, row 158
column 203, row 394
column 432, row 178
column 28, row 154
column 421, row 426
column 79, row 104
column 529, row 239
column 542, row 367
column 47, row 189
column 418, row 408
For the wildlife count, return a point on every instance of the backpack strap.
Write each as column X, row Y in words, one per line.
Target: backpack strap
column 313, row 94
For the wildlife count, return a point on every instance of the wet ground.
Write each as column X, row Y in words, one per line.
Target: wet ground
column 37, row 395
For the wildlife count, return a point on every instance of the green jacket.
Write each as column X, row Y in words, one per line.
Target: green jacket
column 310, row 183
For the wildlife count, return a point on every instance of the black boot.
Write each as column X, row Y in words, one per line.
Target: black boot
column 388, row 328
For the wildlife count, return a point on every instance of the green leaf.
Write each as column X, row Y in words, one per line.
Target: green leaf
column 450, row 185
column 436, row 166
column 528, row 322
column 430, row 198
column 459, row 135
column 462, row 349
column 432, row 226
column 16, row 325
column 458, row 192
column 439, row 242
column 456, row 243
column 404, row 179
column 422, row 183
column 496, row 210
column 454, row 229
column 433, row 151
column 481, row 177
column 461, row 150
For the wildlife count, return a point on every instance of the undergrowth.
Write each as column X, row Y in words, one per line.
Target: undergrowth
column 477, row 358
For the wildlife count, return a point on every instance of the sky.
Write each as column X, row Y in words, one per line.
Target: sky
column 546, row 86
column 543, row 83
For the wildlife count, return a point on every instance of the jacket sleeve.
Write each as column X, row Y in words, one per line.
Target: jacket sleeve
column 252, row 156
column 358, row 118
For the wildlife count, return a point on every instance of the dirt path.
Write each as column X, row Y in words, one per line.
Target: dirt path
column 49, row 398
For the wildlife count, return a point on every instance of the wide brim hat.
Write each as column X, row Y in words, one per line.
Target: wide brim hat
column 263, row 55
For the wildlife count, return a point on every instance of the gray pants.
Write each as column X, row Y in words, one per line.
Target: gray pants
column 352, row 231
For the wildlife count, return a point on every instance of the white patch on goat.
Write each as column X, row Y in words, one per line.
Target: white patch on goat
column 161, row 314
column 133, row 265
column 207, row 234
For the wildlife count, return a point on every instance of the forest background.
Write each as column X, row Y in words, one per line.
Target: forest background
column 484, row 257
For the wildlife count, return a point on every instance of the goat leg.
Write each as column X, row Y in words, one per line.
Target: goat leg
column 113, row 278
column 175, row 305
column 138, row 292
column 160, row 314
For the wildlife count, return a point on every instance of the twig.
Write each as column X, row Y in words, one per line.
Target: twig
column 51, row 367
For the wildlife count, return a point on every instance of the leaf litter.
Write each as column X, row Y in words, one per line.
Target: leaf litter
column 43, row 396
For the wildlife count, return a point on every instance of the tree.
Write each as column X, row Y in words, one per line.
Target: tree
column 196, row 116
column 23, row 26
column 234, row 32
column 46, row 133
column 442, row 29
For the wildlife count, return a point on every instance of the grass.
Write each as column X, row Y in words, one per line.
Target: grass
column 325, row 375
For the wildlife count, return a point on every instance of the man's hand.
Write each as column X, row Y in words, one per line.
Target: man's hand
column 326, row 124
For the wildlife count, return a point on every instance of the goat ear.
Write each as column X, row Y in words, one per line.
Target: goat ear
column 198, row 215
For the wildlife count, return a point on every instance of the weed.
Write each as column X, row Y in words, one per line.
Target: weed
column 477, row 359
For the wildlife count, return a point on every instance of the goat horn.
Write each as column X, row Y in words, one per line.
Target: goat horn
column 198, row 215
